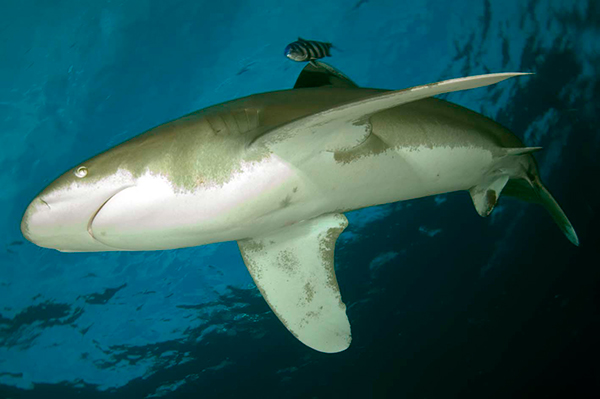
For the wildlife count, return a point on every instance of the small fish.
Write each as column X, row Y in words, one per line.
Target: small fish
column 307, row 50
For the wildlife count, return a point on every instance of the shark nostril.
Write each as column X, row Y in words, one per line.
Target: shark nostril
column 45, row 203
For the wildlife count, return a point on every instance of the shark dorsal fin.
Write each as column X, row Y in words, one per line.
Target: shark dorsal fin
column 320, row 74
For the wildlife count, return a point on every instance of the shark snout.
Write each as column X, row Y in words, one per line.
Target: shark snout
column 32, row 218
column 44, row 219
column 62, row 222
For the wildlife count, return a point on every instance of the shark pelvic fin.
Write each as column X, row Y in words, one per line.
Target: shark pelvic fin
column 485, row 196
column 293, row 269
column 347, row 126
column 320, row 74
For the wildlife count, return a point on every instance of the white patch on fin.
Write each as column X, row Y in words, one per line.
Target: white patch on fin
column 485, row 196
column 293, row 268
column 346, row 126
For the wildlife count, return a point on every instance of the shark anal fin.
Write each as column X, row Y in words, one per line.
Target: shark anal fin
column 293, row 268
column 485, row 196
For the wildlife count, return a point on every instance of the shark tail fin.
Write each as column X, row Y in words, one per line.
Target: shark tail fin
column 536, row 192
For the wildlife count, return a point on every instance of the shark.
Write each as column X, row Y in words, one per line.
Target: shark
column 276, row 172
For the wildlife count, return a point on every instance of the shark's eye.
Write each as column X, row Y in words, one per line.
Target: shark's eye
column 81, row 172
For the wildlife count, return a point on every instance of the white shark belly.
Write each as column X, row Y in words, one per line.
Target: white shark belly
column 272, row 194
column 154, row 215
column 397, row 175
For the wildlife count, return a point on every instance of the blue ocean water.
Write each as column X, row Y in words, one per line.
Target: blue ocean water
column 442, row 302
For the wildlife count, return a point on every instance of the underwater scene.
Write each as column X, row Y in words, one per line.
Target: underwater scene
column 302, row 227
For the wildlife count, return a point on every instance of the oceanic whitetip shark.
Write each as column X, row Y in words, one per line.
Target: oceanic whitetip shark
column 276, row 172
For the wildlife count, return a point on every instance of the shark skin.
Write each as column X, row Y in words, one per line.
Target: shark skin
column 276, row 171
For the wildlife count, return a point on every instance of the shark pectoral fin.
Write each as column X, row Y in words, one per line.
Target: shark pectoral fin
column 347, row 126
column 293, row 269
column 485, row 196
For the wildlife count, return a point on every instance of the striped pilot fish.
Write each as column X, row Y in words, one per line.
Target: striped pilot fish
column 307, row 50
